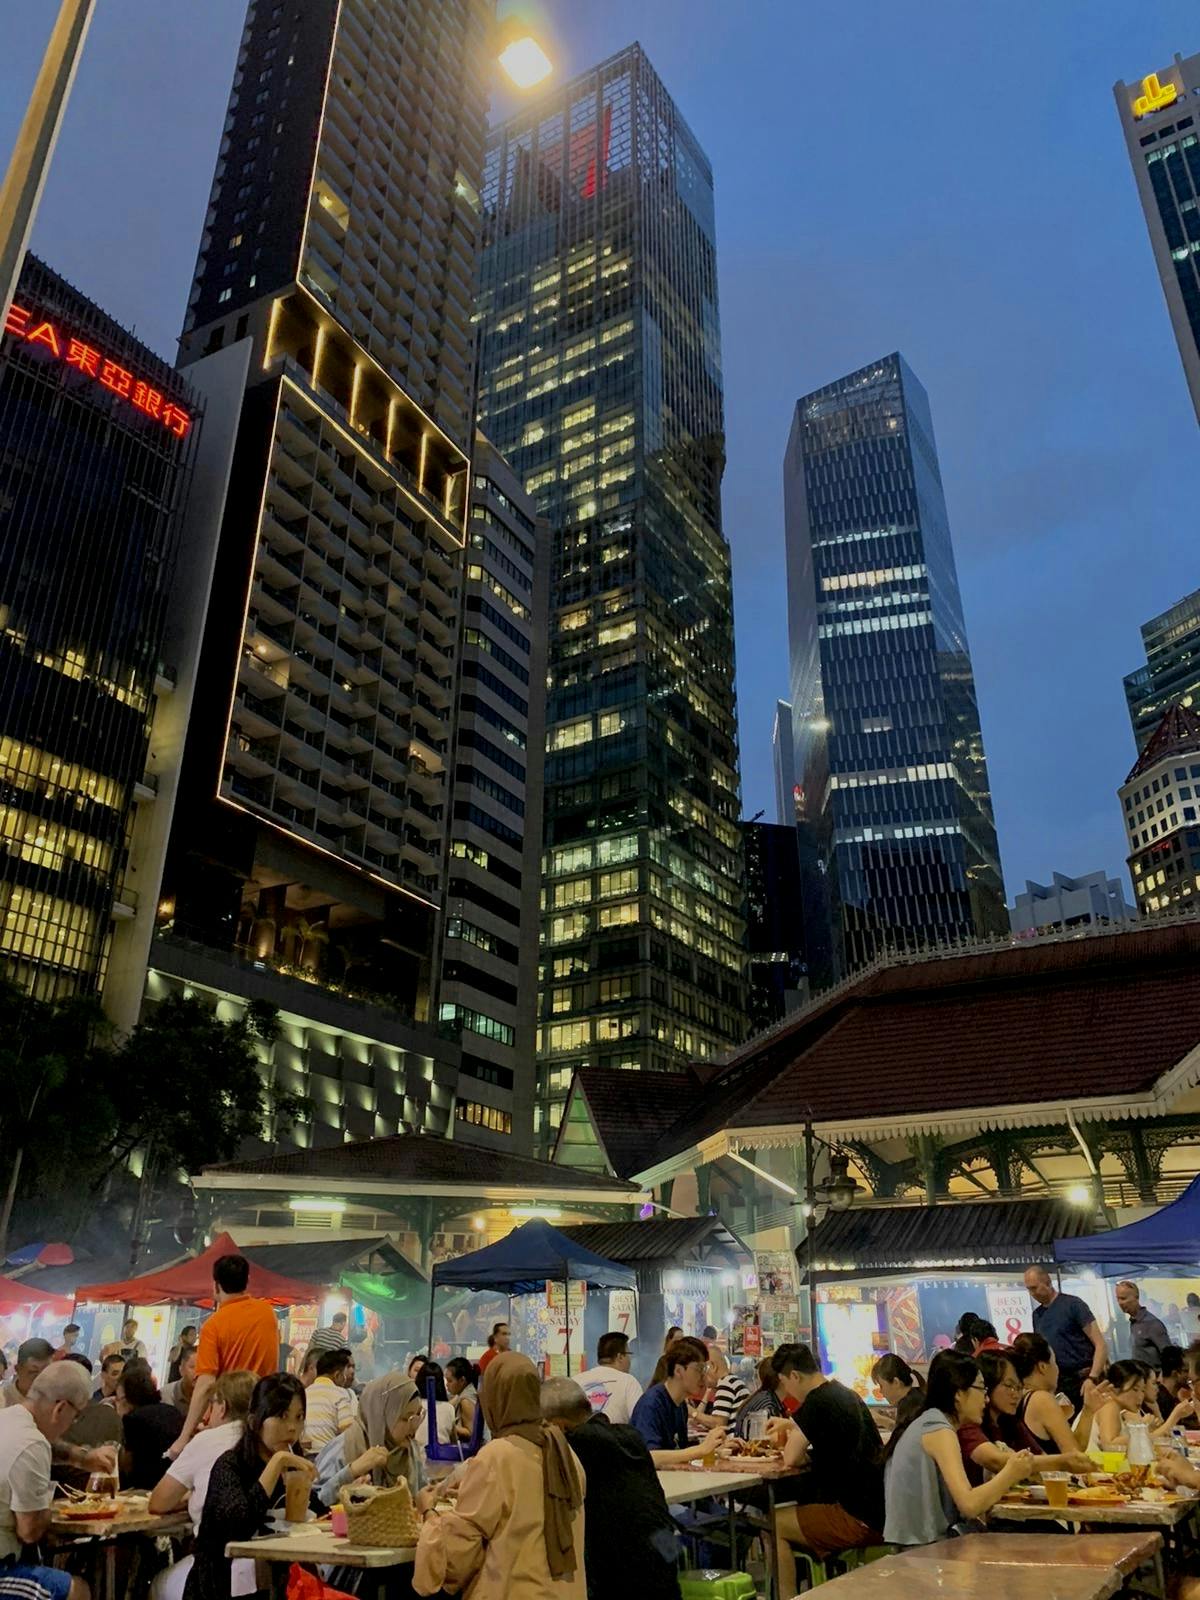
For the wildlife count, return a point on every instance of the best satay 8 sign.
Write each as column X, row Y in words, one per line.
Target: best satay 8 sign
column 23, row 325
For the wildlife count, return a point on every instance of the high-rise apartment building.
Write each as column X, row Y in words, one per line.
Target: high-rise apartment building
column 1171, row 675
column 97, row 440
column 600, row 381
column 1160, row 803
column 341, row 241
column 891, row 776
column 1158, row 116
column 489, row 972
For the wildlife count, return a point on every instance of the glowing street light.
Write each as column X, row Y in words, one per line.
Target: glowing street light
column 525, row 62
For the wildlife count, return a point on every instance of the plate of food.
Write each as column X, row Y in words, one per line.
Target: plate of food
column 90, row 1509
column 1097, row 1494
column 750, row 1450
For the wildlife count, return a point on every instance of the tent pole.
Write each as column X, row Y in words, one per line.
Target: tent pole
column 429, row 1342
column 567, row 1319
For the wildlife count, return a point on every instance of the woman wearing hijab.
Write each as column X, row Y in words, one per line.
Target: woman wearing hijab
column 381, row 1441
column 517, row 1530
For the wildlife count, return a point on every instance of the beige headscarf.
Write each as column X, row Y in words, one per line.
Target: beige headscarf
column 512, row 1406
column 380, row 1406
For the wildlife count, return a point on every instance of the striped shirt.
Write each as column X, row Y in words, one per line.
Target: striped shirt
column 731, row 1394
column 329, row 1339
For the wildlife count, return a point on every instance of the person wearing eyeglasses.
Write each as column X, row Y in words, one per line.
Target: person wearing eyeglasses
column 926, row 1489
column 28, row 1429
column 987, row 1444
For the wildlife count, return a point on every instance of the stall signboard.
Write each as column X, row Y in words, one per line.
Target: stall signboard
column 746, row 1334
column 778, row 1298
column 565, row 1305
column 1010, row 1311
column 622, row 1312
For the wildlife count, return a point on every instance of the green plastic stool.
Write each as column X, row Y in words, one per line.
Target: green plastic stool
column 862, row 1557
column 705, row 1583
column 817, row 1569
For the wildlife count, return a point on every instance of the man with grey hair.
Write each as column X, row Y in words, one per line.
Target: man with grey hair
column 629, row 1537
column 1147, row 1334
column 28, row 1429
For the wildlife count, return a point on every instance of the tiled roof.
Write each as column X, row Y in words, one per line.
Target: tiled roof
column 1178, row 731
column 324, row 1260
column 1042, row 1020
column 632, row 1111
column 1001, row 1233
column 415, row 1158
column 680, row 1241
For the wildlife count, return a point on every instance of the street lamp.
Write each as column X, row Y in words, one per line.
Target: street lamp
column 525, row 62
column 837, row 1192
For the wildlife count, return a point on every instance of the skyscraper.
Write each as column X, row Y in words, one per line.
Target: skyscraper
column 1171, row 674
column 1160, row 802
column 784, row 764
column 98, row 437
column 774, row 921
column 600, row 380
column 1158, row 117
column 341, row 239
column 489, row 949
column 889, row 754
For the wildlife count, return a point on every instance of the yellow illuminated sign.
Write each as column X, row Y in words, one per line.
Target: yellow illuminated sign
column 1154, row 96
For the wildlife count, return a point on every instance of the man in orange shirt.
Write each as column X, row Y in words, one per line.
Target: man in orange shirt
column 240, row 1336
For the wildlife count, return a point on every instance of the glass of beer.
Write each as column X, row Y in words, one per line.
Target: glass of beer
column 1057, row 1484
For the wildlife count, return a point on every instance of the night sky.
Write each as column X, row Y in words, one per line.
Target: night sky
column 942, row 177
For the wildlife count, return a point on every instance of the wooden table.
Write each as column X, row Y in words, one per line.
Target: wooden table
column 69, row 1533
column 904, row 1577
column 1136, row 1514
column 317, row 1545
column 1122, row 1553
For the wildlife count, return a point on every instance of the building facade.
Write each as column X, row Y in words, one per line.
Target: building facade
column 774, row 921
column 340, row 242
column 97, row 436
column 891, row 777
column 600, row 381
column 784, row 765
column 1160, row 804
column 1084, row 902
column 1158, row 117
column 489, row 970
column 1171, row 675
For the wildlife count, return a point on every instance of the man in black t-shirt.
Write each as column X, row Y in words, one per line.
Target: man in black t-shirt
column 629, row 1538
column 840, row 1496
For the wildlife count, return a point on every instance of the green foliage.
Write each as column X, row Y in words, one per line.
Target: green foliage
column 185, row 1089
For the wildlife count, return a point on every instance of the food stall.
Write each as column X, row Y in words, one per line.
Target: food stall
column 899, row 1277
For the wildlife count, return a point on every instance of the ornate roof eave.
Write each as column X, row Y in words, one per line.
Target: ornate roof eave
column 1157, row 1101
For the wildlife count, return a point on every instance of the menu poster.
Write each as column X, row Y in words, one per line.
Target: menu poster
column 1010, row 1311
column 778, row 1299
column 622, row 1312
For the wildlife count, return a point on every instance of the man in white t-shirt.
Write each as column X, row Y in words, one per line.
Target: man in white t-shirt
column 329, row 1403
column 28, row 1428
column 189, row 1474
column 609, row 1385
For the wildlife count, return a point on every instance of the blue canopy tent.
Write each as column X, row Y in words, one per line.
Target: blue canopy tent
column 1169, row 1238
column 524, row 1261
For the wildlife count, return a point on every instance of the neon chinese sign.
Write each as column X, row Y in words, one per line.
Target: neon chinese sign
column 1154, row 96
column 95, row 364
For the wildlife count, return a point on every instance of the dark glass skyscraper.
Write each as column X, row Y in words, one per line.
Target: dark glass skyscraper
column 893, row 786
column 96, row 445
column 1171, row 675
column 600, row 380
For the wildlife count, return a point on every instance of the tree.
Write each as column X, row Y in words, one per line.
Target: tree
column 183, row 1090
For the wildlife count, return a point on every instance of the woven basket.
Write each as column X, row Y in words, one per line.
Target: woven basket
column 381, row 1517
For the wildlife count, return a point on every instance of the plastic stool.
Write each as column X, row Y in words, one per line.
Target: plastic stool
column 864, row 1555
column 817, row 1569
column 706, row 1583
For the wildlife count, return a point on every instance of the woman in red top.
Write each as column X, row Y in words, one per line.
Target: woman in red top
column 986, row 1445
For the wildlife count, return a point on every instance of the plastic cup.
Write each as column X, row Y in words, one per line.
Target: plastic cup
column 1057, row 1485
column 756, row 1425
column 295, row 1497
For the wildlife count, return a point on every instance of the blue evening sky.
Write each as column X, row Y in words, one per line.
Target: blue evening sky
column 945, row 177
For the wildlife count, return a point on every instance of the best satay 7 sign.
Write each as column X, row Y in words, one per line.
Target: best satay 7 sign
column 26, row 326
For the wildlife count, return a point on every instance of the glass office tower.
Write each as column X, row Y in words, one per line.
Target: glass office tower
column 892, row 780
column 1171, row 675
column 600, row 380
column 1159, row 120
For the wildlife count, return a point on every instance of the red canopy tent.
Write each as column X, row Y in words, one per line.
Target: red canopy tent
column 189, row 1283
column 15, row 1296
